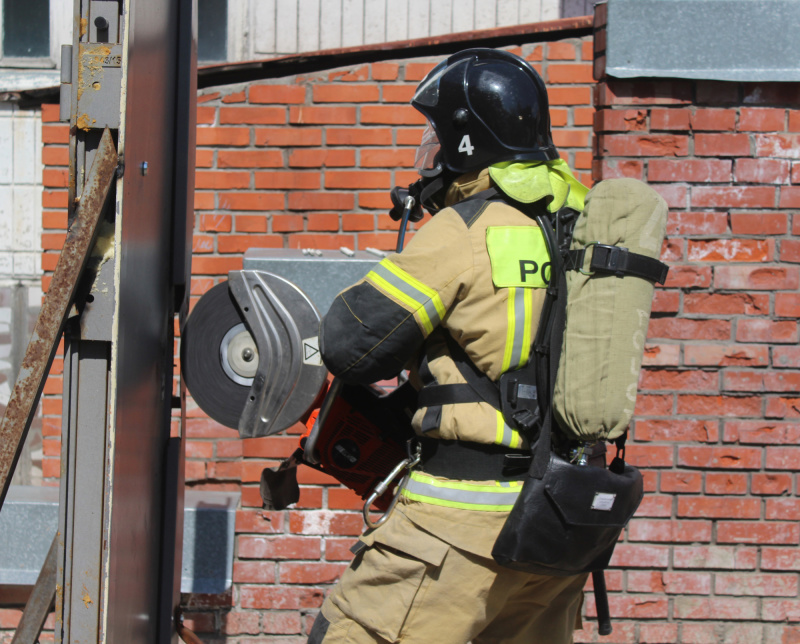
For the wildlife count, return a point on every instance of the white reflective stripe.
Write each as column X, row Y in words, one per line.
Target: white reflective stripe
column 497, row 497
column 520, row 323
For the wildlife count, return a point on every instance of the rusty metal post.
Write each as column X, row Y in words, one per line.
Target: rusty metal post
column 55, row 310
column 38, row 606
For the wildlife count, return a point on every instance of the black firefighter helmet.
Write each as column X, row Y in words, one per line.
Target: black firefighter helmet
column 483, row 106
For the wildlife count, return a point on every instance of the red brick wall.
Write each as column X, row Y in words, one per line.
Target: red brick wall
column 712, row 554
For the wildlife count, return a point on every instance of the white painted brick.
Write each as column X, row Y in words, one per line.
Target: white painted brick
column 551, row 10
column 35, row 292
column 463, row 16
column 309, row 25
column 507, row 12
column 530, row 11
column 25, row 167
column 286, row 36
column 264, row 31
column 6, row 148
column 6, row 264
column 352, row 23
column 397, row 20
column 330, row 32
column 27, row 213
column 419, row 18
column 25, row 264
column 441, row 17
column 6, row 218
column 485, row 14
column 374, row 21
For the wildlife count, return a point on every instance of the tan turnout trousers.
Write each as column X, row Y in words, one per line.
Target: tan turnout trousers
column 407, row 585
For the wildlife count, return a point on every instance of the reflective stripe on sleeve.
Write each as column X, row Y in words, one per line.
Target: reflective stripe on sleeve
column 422, row 300
column 493, row 497
column 505, row 435
column 520, row 323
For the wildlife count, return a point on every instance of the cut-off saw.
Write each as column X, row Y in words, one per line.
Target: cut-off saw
column 250, row 358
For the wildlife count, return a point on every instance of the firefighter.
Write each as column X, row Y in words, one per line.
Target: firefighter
column 468, row 288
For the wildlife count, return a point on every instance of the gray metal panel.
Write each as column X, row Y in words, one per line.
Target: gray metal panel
column 730, row 40
column 320, row 274
column 208, row 541
column 143, row 359
column 29, row 518
column 28, row 522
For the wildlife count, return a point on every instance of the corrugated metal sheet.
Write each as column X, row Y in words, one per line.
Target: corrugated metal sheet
column 730, row 40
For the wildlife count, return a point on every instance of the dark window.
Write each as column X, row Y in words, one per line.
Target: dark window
column 26, row 28
column 212, row 30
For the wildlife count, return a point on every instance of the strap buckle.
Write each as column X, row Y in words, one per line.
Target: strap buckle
column 406, row 464
column 612, row 259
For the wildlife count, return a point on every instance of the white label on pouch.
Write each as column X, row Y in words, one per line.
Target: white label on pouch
column 603, row 501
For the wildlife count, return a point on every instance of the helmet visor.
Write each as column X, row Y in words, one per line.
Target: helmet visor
column 427, row 150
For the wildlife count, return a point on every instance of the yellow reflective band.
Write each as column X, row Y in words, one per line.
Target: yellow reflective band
column 505, row 435
column 510, row 331
column 518, row 255
column 420, row 299
column 494, row 497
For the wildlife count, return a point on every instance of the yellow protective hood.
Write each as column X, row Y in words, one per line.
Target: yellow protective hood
column 530, row 181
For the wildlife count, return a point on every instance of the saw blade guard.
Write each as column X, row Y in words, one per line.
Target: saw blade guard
column 285, row 326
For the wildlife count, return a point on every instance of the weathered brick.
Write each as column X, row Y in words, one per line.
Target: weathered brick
column 738, row 197
column 726, row 303
column 654, row 145
column 771, row 278
column 774, row 223
column 731, row 250
column 691, row 170
column 771, row 532
column 685, row 329
column 682, row 430
column 733, row 458
column 761, row 119
column 781, row 146
column 732, row 406
column 725, row 483
column 670, row 119
column 758, row 381
column 709, row 557
column 713, row 119
column 724, row 608
column 759, row 330
column 762, row 171
column 668, row 531
column 697, row 223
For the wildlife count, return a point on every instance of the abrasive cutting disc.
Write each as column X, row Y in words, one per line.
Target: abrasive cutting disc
column 218, row 356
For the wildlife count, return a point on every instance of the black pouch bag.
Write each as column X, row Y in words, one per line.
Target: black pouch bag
column 568, row 517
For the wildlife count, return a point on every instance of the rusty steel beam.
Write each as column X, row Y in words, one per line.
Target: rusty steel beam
column 40, row 601
column 245, row 72
column 55, row 310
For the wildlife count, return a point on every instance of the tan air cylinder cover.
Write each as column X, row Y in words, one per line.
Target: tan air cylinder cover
column 607, row 316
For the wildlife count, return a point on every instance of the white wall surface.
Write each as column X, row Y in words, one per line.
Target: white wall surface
column 265, row 28
column 20, row 192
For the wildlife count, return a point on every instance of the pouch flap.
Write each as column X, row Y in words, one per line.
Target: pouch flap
column 593, row 496
column 399, row 533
